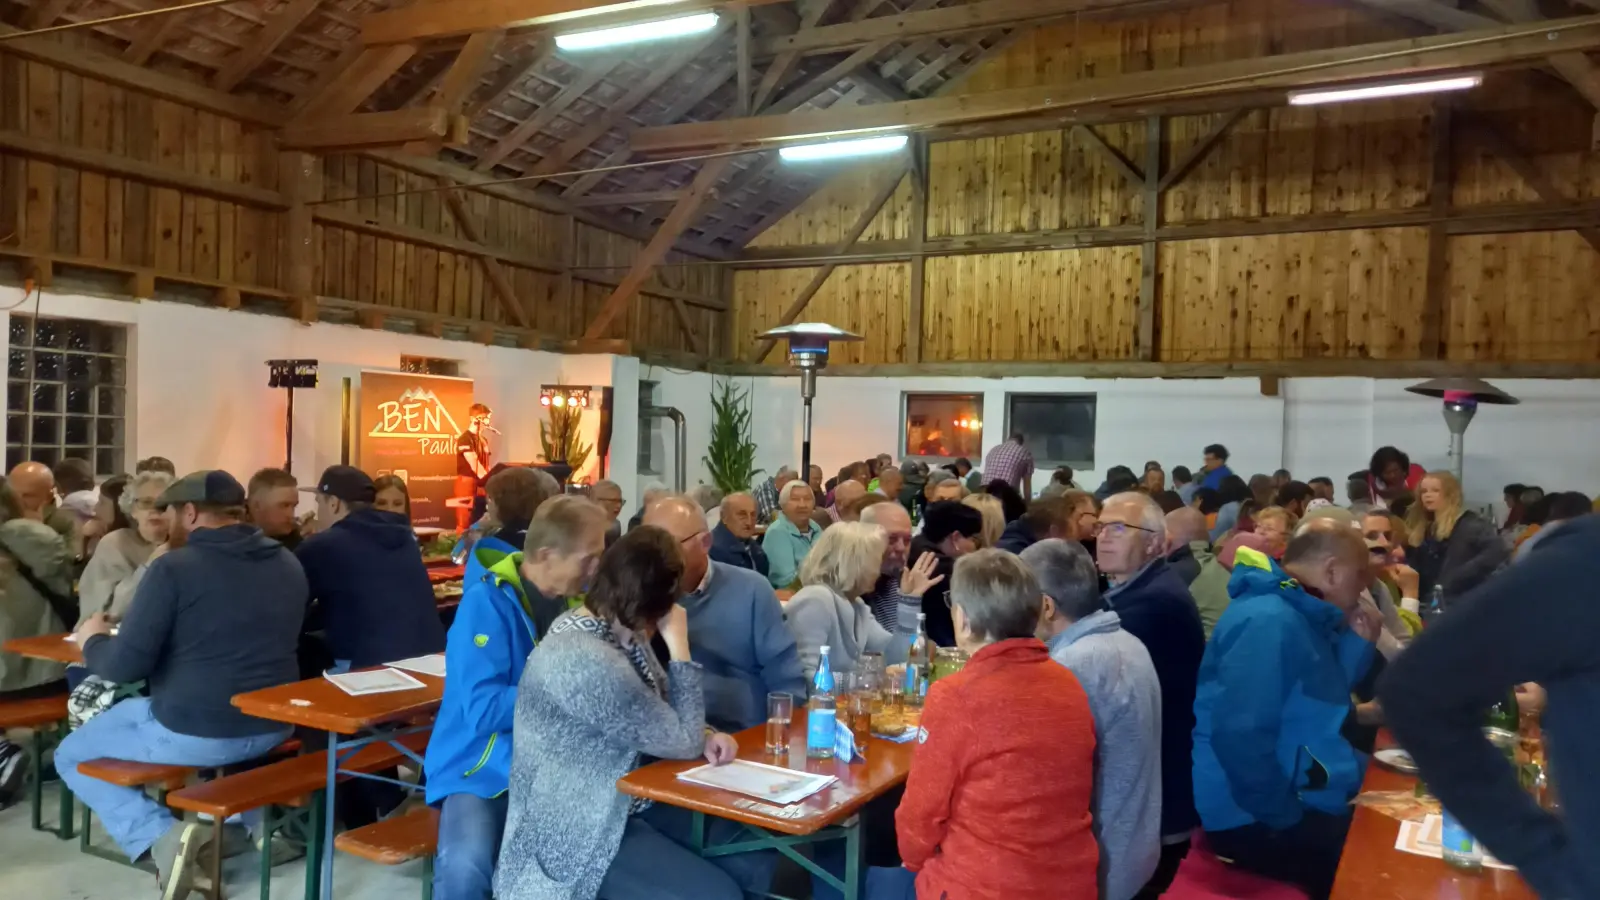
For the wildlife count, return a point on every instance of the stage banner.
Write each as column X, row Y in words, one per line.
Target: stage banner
column 409, row 425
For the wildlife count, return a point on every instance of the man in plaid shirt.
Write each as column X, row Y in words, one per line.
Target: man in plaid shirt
column 1012, row 463
column 766, row 494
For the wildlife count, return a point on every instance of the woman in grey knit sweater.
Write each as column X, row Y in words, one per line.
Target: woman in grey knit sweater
column 592, row 701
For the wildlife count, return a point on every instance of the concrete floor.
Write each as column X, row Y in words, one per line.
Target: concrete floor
column 38, row 865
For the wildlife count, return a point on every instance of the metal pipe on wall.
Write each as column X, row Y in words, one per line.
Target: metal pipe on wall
column 680, row 462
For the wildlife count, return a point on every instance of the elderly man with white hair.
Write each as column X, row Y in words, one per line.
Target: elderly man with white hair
column 789, row 538
column 1155, row 607
column 654, row 491
column 733, row 539
column 1125, row 698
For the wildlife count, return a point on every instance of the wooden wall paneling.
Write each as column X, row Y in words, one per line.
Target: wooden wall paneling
column 38, row 226
column 94, row 219
column 383, row 179
column 228, row 141
column 167, row 203
column 69, row 116
column 13, row 169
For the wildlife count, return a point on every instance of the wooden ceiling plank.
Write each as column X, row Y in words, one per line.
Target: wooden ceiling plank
column 348, row 91
column 779, row 69
column 616, row 112
column 450, row 18
column 741, row 52
column 658, row 176
column 591, row 180
column 868, row 213
column 1508, row 151
column 258, row 51
column 513, row 74
column 943, row 22
column 155, row 35
column 503, row 291
column 468, row 68
column 660, row 244
column 544, row 115
column 1434, row 53
column 45, row 14
column 631, row 199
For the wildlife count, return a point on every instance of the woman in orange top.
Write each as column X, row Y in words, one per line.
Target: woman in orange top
column 981, row 818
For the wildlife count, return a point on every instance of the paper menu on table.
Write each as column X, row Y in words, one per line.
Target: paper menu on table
column 773, row 784
column 432, row 664
column 1423, row 839
column 377, row 681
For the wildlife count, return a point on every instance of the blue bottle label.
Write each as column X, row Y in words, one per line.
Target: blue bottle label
column 821, row 727
column 1453, row 837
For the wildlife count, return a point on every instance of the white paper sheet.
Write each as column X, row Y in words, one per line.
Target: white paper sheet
column 377, row 681
column 1422, row 838
column 773, row 784
column 432, row 664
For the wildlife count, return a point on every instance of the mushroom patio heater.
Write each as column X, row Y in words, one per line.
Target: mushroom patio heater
column 1461, row 398
column 808, row 352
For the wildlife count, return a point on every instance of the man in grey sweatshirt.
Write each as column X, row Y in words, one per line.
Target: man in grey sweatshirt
column 1125, row 697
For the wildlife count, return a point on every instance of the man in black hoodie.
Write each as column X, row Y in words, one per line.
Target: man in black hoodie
column 1536, row 621
column 369, row 589
column 217, row 615
column 949, row 531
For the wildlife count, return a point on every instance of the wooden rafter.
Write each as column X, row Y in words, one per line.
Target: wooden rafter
column 256, row 52
column 1196, row 153
column 153, row 37
column 400, row 127
column 349, row 90
column 616, row 112
column 633, row 199
column 891, row 184
column 457, row 83
column 544, row 115
column 492, row 270
column 1125, row 167
column 436, row 19
column 741, row 52
column 45, row 14
column 1575, row 67
column 922, row 20
column 1506, row 45
column 660, row 244
column 530, row 58
column 779, row 69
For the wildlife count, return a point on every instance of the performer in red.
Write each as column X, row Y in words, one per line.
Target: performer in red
column 472, row 463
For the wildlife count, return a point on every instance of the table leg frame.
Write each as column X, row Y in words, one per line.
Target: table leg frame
column 850, row 833
column 338, row 751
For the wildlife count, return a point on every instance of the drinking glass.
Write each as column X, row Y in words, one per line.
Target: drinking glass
column 780, row 711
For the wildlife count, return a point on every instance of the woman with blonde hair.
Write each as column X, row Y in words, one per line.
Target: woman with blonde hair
column 994, row 517
column 828, row 610
column 1451, row 547
column 1274, row 524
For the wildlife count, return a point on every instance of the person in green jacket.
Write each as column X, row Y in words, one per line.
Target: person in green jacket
column 1210, row 588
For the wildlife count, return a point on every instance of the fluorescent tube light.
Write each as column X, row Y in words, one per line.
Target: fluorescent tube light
column 1393, row 89
column 840, row 149
column 639, row 32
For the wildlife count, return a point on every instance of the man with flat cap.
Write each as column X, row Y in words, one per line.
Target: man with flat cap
column 370, row 592
column 217, row 615
column 950, row 530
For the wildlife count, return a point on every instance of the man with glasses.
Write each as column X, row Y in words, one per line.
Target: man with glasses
column 609, row 495
column 502, row 615
column 736, row 629
column 1155, row 607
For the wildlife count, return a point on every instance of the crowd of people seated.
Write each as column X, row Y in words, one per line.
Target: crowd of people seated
column 1206, row 654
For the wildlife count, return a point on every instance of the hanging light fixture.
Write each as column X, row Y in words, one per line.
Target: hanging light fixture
column 1389, row 89
column 873, row 146
column 638, row 32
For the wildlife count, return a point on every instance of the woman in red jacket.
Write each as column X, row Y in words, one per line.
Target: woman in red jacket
column 997, row 802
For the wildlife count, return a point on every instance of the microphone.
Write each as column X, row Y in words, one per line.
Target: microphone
column 488, row 427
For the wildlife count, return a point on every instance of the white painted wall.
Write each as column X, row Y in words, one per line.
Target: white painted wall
column 197, row 381
column 1319, row 426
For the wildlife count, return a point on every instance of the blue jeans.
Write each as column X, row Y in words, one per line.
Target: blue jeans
column 128, row 731
column 655, row 862
column 470, row 828
column 898, row 883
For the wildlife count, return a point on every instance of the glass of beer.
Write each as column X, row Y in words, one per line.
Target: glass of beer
column 780, row 711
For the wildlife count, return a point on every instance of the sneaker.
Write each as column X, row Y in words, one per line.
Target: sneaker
column 13, row 772
column 174, row 855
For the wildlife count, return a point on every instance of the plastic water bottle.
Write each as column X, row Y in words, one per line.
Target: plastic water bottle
column 1458, row 847
column 822, row 713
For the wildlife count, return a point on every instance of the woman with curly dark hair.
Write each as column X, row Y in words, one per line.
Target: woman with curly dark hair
column 1012, row 506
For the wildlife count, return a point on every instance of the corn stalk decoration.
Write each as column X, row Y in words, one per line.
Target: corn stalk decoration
column 561, row 440
column 731, row 455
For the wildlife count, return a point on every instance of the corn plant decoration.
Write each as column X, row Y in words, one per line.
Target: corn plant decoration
column 731, row 455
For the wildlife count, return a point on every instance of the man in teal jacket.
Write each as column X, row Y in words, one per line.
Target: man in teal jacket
column 1273, row 776
column 504, row 610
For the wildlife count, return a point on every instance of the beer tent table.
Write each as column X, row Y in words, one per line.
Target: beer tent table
column 829, row 814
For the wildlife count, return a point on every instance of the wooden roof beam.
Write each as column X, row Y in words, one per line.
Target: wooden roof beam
column 45, row 14
column 437, row 19
column 154, row 36
column 346, row 93
column 1502, row 46
column 375, row 129
column 458, row 83
column 272, row 34
column 922, row 21
column 544, row 115
column 634, row 199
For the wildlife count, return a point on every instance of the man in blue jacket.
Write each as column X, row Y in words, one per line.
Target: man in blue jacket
column 734, row 540
column 503, row 613
column 1273, row 775
column 1155, row 607
column 369, row 588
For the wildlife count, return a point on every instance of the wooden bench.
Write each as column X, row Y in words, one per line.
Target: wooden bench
column 288, row 782
column 46, row 717
column 396, row 840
